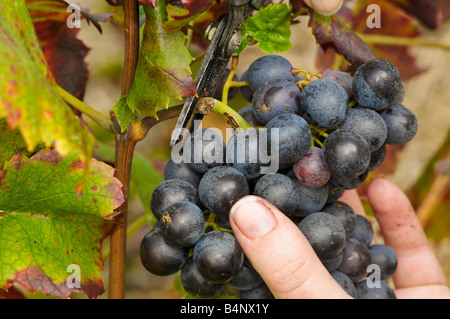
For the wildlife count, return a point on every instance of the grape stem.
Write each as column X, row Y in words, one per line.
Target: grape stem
column 226, row 86
column 207, row 105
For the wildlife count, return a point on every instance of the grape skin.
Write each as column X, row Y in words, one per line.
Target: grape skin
column 194, row 283
column 311, row 169
column 401, row 124
column 268, row 68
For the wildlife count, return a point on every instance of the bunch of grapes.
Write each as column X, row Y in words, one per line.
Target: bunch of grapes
column 331, row 132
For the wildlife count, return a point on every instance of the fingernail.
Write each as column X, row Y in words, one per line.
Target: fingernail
column 253, row 218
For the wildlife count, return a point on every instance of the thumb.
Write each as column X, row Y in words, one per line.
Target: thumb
column 280, row 253
column 325, row 7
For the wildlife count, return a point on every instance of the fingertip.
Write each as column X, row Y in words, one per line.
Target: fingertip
column 325, row 7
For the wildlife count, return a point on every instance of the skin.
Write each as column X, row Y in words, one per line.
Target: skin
column 283, row 257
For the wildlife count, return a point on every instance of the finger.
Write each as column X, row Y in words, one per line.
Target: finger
column 280, row 253
column 417, row 263
column 325, row 7
column 351, row 197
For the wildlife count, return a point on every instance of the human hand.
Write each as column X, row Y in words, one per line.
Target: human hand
column 281, row 254
column 325, row 7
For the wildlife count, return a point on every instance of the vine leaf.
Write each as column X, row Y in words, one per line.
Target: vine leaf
column 330, row 32
column 163, row 71
column 11, row 142
column 28, row 99
column 46, row 226
column 270, row 27
column 182, row 12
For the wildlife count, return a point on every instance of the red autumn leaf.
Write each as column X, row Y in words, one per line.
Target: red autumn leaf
column 431, row 13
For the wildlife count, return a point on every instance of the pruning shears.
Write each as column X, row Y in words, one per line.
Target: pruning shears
column 225, row 36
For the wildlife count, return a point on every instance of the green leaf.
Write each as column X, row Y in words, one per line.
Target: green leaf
column 125, row 116
column 28, row 99
column 163, row 71
column 11, row 142
column 271, row 28
column 46, row 226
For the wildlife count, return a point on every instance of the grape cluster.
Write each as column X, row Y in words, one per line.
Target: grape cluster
column 331, row 132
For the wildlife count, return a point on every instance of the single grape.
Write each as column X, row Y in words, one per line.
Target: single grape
column 345, row 213
column 323, row 103
column 207, row 149
column 363, row 291
column 363, row 231
column 401, row 124
column 356, row 259
column 277, row 189
column 377, row 84
column 218, row 256
column 268, row 68
column 377, row 158
column 325, row 233
column 221, row 187
column 345, row 282
column 249, row 116
column 172, row 191
column 333, row 263
column 343, row 78
column 349, row 182
column 194, row 283
column 275, row 98
column 160, row 257
column 246, row 90
column 243, row 152
column 385, row 257
column 260, row 292
column 246, row 278
column 367, row 123
column 182, row 171
column 294, row 137
column 346, row 153
column 311, row 169
column 232, row 92
column 182, row 224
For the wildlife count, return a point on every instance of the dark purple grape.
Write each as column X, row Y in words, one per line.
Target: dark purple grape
column 221, row 187
column 345, row 282
column 243, row 153
column 182, row 171
column 349, row 182
column 334, row 193
column 323, row 103
column 345, row 213
column 160, row 257
column 249, row 116
column 325, row 233
column 385, row 257
column 401, row 124
column 218, row 256
column 268, row 68
column 277, row 189
column 246, row 278
column 207, row 149
column 275, row 98
column 194, row 283
column 343, row 78
column 356, row 259
column 260, row 292
column 309, row 199
column 377, row 84
column 333, row 263
column 311, row 169
column 294, row 137
column 246, row 91
column 182, row 224
column 367, row 123
column 363, row 291
column 232, row 92
column 346, row 154
column 377, row 158
column 172, row 191
column 363, row 231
